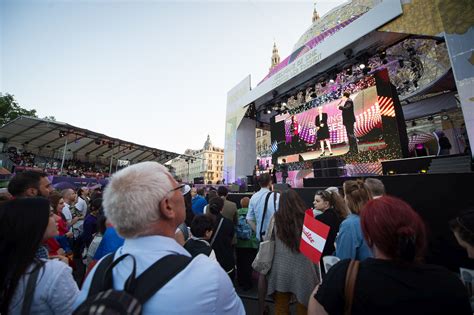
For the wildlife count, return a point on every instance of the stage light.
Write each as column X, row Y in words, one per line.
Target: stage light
column 391, row 172
column 331, row 80
column 362, row 66
column 423, row 171
column 269, row 111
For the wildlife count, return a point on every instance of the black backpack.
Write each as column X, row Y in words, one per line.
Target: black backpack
column 104, row 299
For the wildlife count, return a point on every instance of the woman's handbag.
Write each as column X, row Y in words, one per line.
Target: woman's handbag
column 263, row 261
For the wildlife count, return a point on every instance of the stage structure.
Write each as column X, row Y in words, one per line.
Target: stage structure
column 382, row 52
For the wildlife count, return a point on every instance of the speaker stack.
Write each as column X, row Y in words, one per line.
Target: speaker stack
column 329, row 168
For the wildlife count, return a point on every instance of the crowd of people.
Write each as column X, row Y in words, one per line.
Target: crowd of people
column 72, row 168
column 149, row 242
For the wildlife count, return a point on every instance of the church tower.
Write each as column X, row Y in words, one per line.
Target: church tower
column 315, row 13
column 275, row 57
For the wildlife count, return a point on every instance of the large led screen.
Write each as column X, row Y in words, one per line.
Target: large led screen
column 339, row 129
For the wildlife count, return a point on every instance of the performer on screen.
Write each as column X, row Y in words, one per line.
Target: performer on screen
column 284, row 171
column 348, row 120
column 294, row 131
column 322, row 131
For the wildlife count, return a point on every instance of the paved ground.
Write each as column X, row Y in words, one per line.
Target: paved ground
column 250, row 301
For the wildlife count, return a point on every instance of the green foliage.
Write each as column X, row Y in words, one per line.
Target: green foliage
column 10, row 109
column 52, row 118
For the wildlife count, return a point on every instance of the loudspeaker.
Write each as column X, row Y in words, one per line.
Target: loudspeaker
column 198, row 180
column 250, row 180
column 329, row 172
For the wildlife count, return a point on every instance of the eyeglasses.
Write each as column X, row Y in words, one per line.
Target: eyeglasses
column 181, row 188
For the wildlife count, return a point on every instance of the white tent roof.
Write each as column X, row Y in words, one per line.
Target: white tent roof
column 44, row 138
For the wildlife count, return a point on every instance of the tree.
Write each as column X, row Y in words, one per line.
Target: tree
column 51, row 118
column 10, row 109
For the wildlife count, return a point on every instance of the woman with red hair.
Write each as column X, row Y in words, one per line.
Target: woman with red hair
column 395, row 281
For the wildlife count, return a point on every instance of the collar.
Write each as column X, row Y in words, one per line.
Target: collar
column 154, row 243
column 200, row 239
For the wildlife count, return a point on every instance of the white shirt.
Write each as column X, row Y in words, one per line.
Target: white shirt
column 203, row 287
column 67, row 213
column 81, row 205
column 257, row 205
column 55, row 290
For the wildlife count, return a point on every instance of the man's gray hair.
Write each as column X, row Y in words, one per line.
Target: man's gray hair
column 375, row 186
column 132, row 197
column 65, row 193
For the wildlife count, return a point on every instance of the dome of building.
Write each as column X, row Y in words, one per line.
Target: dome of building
column 324, row 27
column 336, row 16
column 208, row 143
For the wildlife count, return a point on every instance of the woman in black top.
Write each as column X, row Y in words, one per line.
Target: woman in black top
column 334, row 211
column 222, row 236
column 395, row 281
column 322, row 130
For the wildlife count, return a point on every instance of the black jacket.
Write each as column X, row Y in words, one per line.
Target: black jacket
column 348, row 116
column 222, row 245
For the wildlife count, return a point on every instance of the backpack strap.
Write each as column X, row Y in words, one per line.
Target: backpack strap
column 159, row 274
column 98, row 281
column 217, row 231
column 264, row 213
column 30, row 290
column 147, row 284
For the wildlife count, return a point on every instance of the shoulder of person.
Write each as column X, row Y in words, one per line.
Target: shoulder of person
column 54, row 269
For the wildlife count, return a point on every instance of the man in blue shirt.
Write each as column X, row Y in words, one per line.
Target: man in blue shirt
column 254, row 218
column 145, row 205
column 198, row 201
column 257, row 205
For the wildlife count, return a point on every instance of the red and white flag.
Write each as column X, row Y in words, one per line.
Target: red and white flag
column 313, row 237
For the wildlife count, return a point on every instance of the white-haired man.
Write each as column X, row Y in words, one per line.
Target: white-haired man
column 145, row 204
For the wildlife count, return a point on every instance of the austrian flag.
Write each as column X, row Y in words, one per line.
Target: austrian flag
column 313, row 237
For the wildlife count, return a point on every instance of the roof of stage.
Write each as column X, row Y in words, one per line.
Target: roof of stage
column 45, row 137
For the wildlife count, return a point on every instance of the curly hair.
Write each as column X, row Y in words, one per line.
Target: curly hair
column 54, row 198
column 289, row 219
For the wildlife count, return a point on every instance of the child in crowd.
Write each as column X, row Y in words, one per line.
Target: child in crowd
column 201, row 230
column 246, row 248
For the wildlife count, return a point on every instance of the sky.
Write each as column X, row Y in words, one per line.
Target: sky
column 155, row 73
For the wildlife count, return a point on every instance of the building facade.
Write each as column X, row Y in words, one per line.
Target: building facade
column 263, row 145
column 207, row 163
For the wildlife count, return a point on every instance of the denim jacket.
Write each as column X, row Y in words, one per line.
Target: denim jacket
column 350, row 243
